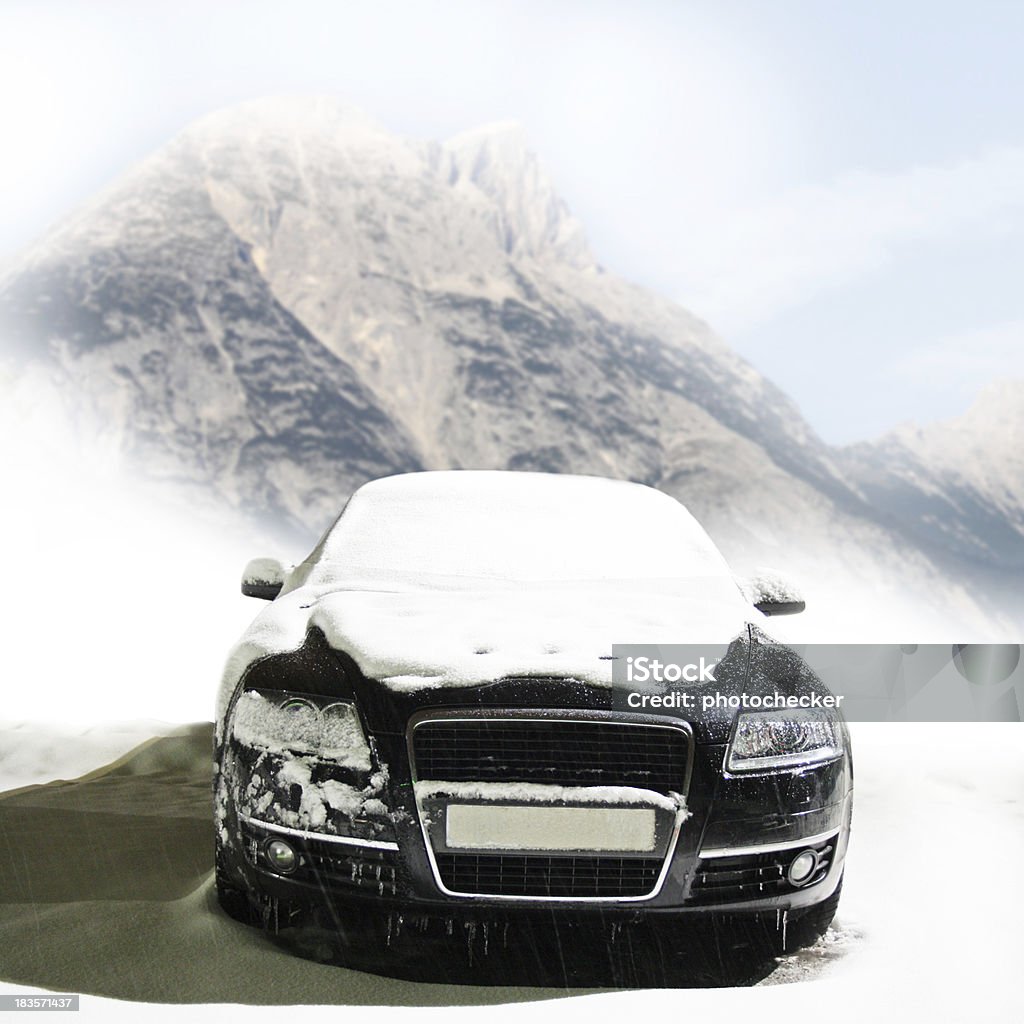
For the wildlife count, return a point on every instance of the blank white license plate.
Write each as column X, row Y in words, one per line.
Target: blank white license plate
column 538, row 827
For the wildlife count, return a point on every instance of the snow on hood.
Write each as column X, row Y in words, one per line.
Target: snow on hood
column 414, row 639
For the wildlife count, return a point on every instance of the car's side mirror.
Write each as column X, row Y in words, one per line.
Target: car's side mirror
column 263, row 578
column 772, row 594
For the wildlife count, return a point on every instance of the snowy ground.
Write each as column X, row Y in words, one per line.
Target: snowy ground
column 924, row 930
column 120, row 607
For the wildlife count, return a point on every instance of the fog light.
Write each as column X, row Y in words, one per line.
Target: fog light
column 281, row 855
column 802, row 867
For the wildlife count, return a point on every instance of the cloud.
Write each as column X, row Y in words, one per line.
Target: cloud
column 744, row 267
column 961, row 363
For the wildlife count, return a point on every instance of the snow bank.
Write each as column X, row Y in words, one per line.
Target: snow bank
column 32, row 754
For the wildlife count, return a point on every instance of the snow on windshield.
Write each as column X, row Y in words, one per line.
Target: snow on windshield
column 515, row 527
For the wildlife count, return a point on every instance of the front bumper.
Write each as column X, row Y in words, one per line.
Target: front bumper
column 729, row 856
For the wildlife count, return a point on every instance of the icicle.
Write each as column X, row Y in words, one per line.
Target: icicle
column 785, row 921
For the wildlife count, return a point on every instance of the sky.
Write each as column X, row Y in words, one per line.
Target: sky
column 838, row 189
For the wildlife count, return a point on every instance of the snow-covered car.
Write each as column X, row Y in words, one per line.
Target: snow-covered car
column 423, row 722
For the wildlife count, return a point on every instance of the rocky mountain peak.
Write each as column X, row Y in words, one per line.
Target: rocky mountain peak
column 534, row 222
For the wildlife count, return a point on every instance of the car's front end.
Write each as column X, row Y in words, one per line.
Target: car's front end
column 338, row 797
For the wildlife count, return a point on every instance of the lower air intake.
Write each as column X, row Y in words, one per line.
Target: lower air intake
column 754, row 876
column 552, row 877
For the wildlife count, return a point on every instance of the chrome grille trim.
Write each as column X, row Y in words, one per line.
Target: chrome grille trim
column 372, row 844
column 789, row 844
column 552, row 716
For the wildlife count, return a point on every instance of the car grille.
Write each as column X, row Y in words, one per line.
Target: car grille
column 554, row 751
column 753, row 876
column 549, row 877
column 566, row 753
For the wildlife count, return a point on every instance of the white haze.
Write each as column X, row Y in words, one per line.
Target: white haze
column 121, row 599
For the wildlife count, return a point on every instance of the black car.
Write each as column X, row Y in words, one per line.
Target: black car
column 423, row 725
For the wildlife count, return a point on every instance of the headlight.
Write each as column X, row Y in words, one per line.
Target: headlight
column 779, row 739
column 281, row 723
column 342, row 734
column 297, row 704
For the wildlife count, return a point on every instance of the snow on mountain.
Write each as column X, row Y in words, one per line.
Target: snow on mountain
column 958, row 485
column 287, row 300
column 532, row 221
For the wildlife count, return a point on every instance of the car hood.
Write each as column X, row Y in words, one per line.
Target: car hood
column 464, row 636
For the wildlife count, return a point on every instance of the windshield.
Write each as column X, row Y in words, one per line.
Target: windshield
column 496, row 527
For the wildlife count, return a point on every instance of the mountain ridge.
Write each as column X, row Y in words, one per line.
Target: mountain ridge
column 943, row 485
column 286, row 300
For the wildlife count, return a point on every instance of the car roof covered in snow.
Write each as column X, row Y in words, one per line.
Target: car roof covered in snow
column 515, row 527
column 454, row 578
